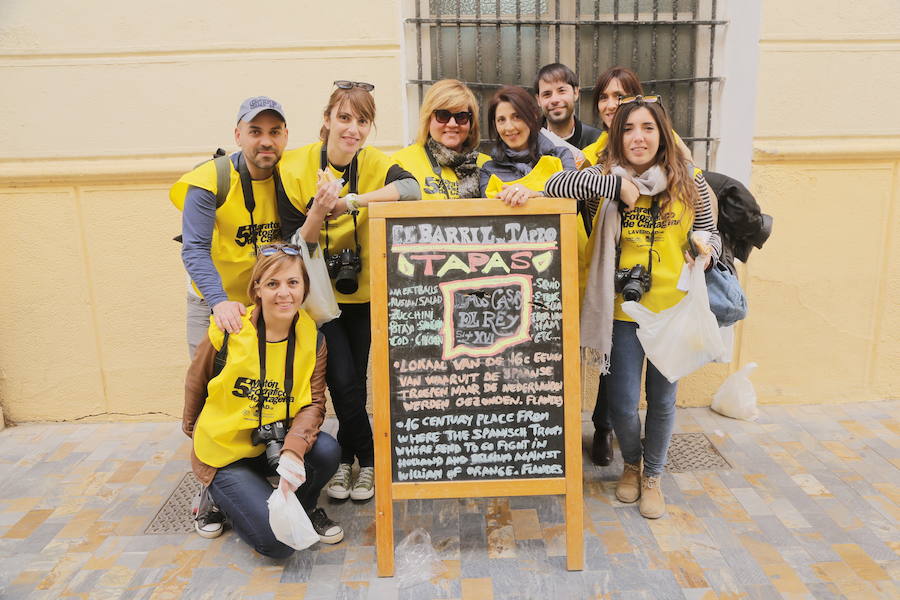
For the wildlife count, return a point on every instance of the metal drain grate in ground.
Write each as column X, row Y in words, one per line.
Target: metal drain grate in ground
column 694, row 452
column 175, row 514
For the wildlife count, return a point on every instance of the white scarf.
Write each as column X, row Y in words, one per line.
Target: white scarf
column 650, row 183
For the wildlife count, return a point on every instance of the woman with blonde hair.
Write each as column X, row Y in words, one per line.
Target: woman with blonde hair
column 254, row 403
column 445, row 158
column 638, row 254
column 330, row 184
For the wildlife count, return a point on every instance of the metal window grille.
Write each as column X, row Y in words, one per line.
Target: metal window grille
column 489, row 43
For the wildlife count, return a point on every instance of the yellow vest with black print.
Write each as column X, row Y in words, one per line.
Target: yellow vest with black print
column 673, row 225
column 535, row 180
column 222, row 432
column 298, row 170
column 232, row 239
column 414, row 159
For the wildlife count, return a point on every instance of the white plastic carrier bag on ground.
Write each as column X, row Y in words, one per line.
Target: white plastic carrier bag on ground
column 416, row 559
column 736, row 397
column 683, row 338
column 289, row 521
column 320, row 303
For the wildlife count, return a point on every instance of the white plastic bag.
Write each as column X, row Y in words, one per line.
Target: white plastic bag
column 289, row 521
column 320, row 303
column 736, row 397
column 683, row 338
column 416, row 559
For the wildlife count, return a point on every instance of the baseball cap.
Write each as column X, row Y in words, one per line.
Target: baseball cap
column 253, row 106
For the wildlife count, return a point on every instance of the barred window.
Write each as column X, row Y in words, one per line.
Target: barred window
column 489, row 43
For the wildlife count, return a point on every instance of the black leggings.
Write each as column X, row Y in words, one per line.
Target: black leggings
column 349, row 338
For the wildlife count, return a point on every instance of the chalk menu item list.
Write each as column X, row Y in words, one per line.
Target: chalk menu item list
column 475, row 348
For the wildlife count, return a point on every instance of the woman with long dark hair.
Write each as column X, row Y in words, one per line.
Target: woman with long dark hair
column 652, row 235
column 522, row 159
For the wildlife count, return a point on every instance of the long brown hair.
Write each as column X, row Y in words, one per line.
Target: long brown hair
column 527, row 109
column 668, row 156
column 361, row 102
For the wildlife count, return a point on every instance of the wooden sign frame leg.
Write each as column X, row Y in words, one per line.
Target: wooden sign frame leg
column 384, row 503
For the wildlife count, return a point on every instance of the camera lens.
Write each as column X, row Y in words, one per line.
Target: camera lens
column 632, row 292
column 273, row 453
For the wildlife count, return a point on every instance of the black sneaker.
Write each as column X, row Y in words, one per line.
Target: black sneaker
column 211, row 524
column 329, row 531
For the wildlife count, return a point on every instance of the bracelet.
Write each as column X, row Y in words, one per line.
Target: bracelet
column 352, row 203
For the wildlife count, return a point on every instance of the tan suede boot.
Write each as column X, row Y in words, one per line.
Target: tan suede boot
column 628, row 489
column 653, row 505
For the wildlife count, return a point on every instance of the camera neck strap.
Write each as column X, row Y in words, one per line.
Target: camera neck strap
column 249, row 200
column 350, row 174
column 288, row 366
column 654, row 215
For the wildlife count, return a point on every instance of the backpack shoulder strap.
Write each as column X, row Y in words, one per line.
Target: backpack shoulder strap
column 223, row 178
column 221, row 357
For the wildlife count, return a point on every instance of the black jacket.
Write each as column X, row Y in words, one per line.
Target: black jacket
column 742, row 225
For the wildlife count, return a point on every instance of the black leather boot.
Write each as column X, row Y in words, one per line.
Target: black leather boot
column 602, row 448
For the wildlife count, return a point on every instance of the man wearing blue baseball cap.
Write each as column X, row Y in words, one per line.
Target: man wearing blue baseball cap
column 230, row 209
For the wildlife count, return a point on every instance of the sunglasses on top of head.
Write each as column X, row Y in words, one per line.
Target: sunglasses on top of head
column 273, row 249
column 443, row 116
column 346, row 85
column 640, row 99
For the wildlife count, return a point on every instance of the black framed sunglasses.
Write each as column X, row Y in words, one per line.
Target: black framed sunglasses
column 443, row 116
column 346, row 85
column 640, row 99
column 273, row 249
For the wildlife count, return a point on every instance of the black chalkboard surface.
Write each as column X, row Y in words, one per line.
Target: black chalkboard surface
column 475, row 348
column 475, row 358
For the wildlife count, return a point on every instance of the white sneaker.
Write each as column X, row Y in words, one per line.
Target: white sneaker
column 364, row 486
column 339, row 486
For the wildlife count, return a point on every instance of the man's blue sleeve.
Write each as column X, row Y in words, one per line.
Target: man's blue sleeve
column 197, row 222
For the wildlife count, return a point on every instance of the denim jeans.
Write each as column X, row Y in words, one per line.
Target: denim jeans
column 349, row 338
column 241, row 491
column 623, row 389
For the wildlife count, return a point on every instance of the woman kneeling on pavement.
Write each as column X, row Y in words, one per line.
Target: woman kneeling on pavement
column 242, row 432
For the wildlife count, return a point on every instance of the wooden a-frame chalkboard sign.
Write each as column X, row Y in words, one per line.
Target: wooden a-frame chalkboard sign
column 475, row 356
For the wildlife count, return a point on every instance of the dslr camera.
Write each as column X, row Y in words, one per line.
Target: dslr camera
column 343, row 268
column 272, row 435
column 633, row 282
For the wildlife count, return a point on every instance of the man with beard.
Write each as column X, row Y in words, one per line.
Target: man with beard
column 556, row 89
column 230, row 209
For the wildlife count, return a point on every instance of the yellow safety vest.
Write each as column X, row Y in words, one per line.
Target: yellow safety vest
column 298, row 170
column 671, row 237
column 222, row 432
column 415, row 160
column 232, row 240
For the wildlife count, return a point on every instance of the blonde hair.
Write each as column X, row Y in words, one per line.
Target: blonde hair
column 265, row 264
column 668, row 156
column 361, row 102
column 449, row 94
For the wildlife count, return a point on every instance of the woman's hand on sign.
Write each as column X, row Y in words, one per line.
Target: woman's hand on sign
column 629, row 193
column 228, row 314
column 516, row 194
column 292, row 471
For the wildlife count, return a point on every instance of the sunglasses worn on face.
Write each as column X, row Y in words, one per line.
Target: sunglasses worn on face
column 443, row 116
column 273, row 249
column 640, row 99
column 346, row 85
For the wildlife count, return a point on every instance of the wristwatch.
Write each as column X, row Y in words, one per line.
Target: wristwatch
column 352, row 203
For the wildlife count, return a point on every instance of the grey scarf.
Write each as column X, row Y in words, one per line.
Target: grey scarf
column 463, row 164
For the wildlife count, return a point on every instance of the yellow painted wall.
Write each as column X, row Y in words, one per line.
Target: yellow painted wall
column 104, row 106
